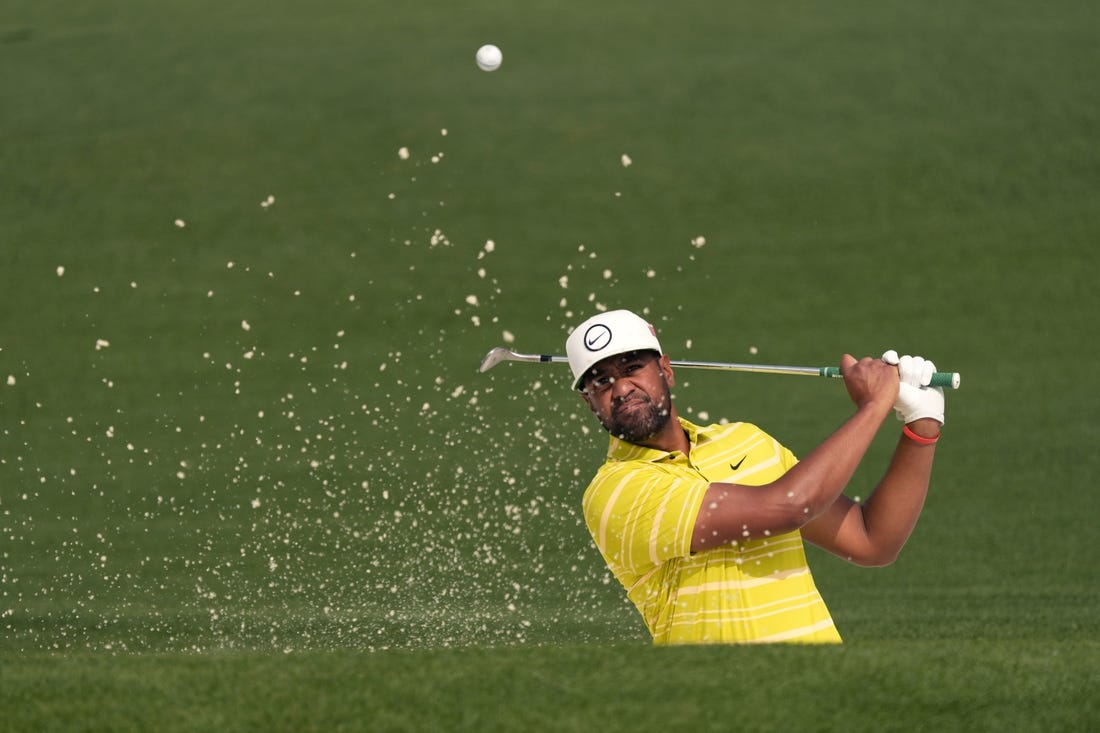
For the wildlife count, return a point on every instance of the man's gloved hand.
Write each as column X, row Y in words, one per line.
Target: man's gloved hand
column 916, row 399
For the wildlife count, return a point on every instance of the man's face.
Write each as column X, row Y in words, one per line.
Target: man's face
column 630, row 394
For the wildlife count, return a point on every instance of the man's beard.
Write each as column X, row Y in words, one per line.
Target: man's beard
column 642, row 419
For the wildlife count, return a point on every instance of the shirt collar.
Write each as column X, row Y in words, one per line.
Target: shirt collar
column 620, row 450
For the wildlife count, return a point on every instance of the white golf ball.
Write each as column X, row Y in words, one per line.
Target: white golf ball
column 489, row 57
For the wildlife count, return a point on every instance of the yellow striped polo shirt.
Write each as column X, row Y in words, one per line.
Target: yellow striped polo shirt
column 641, row 509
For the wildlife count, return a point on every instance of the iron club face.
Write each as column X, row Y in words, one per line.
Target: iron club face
column 500, row 354
column 495, row 356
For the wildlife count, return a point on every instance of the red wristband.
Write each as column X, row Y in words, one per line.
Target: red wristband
column 919, row 439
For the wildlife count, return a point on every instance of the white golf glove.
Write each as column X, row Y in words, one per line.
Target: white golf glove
column 915, row 398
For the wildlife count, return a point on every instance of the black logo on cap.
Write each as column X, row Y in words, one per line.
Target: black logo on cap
column 597, row 337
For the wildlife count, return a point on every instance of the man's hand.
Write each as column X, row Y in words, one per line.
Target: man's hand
column 915, row 398
column 869, row 381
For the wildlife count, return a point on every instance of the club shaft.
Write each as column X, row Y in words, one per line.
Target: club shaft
column 719, row 366
column 950, row 380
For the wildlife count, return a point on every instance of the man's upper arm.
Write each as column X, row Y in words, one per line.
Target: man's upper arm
column 841, row 530
column 741, row 505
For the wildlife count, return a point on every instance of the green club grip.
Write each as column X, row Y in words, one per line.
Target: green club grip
column 947, row 380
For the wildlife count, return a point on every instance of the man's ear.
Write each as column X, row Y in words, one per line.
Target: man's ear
column 584, row 398
column 666, row 370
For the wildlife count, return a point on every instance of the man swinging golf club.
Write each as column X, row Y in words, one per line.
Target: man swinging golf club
column 704, row 526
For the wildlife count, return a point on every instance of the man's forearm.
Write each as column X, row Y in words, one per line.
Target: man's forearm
column 818, row 479
column 892, row 510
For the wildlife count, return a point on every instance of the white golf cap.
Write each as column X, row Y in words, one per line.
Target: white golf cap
column 608, row 334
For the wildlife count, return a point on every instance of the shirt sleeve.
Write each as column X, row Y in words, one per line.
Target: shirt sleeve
column 642, row 516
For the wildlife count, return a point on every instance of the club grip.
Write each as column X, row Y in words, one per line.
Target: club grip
column 947, row 380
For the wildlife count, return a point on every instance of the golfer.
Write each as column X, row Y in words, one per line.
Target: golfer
column 704, row 525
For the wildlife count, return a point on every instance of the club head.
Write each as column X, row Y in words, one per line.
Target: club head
column 495, row 356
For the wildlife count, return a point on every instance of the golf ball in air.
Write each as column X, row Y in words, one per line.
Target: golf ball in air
column 489, row 57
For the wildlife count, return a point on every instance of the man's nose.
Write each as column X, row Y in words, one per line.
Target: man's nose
column 622, row 385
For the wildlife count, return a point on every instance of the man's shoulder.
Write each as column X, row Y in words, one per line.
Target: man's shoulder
column 616, row 469
column 616, row 475
column 744, row 449
column 728, row 430
column 637, row 482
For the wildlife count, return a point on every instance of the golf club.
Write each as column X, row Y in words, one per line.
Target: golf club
column 499, row 354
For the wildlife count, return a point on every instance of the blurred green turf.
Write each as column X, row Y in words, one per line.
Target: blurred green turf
column 281, row 443
column 889, row 686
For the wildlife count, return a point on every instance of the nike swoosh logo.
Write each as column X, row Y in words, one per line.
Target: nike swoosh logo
column 737, row 465
column 597, row 337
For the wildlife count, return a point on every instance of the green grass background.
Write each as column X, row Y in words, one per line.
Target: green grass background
column 281, row 496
